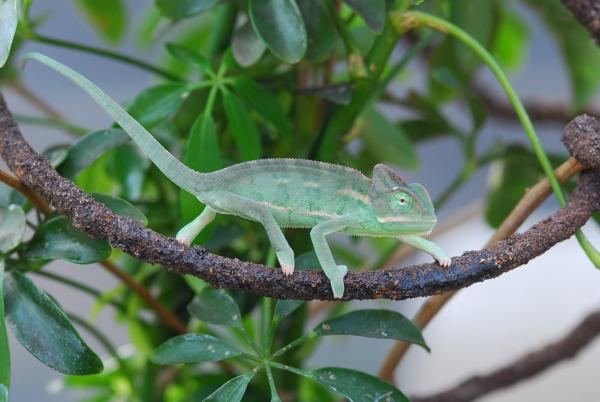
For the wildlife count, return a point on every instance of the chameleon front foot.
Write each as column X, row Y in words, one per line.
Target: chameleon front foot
column 336, row 280
column 287, row 269
column 444, row 260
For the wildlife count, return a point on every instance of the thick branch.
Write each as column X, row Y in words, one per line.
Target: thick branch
column 416, row 281
column 587, row 13
column 525, row 367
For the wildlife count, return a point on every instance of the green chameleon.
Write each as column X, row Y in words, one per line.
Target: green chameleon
column 280, row 193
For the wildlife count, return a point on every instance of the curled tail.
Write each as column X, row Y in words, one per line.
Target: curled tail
column 184, row 177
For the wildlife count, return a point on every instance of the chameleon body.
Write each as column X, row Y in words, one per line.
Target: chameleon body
column 280, row 193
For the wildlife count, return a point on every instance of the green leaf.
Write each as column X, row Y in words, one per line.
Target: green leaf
column 580, row 54
column 383, row 324
column 41, row 326
column 244, row 130
column 56, row 238
column 387, row 141
column 372, row 11
column 280, row 25
column 476, row 18
column 340, row 94
column 264, row 103
column 180, row 9
column 56, row 155
column 193, row 348
column 246, row 46
column 8, row 27
column 130, row 166
column 89, row 148
column 107, row 16
column 189, row 57
column 155, row 104
column 419, row 130
column 232, row 391
column 508, row 181
column 4, row 346
column 357, row 386
column 12, row 227
column 203, row 154
column 121, row 207
column 215, row 306
column 509, row 45
column 320, row 29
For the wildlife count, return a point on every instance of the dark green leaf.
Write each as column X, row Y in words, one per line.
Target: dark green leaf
column 130, row 166
column 89, row 148
column 423, row 129
column 387, row 141
column 155, row 104
column 263, row 102
column 280, row 25
column 193, row 348
column 246, row 46
column 189, row 56
column 232, row 391
column 244, row 130
column 384, row 324
column 372, row 11
column 41, row 326
column 180, row 9
column 8, row 27
column 12, row 227
column 56, row 238
column 121, row 207
column 509, row 46
column 107, row 16
column 203, row 154
column 508, row 181
column 4, row 346
column 215, row 306
column 580, row 54
column 9, row 195
column 320, row 29
column 476, row 18
column 357, row 386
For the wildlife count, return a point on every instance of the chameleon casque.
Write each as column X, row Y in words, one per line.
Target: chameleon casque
column 282, row 193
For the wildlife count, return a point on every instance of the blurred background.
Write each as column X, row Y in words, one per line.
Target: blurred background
column 487, row 325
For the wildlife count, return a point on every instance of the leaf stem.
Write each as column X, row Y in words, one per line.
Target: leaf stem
column 274, row 395
column 50, row 122
column 295, row 370
column 406, row 20
column 294, row 343
column 106, row 53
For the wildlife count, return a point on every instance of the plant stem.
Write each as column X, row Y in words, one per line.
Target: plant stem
column 294, row 343
column 274, row 396
column 295, row 370
column 106, row 53
column 80, row 286
column 32, row 196
column 406, row 20
column 267, row 310
column 50, row 122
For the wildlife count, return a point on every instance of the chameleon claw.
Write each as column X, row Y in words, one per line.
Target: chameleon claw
column 287, row 269
column 444, row 261
column 183, row 240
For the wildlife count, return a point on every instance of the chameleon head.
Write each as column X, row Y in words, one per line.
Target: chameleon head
column 401, row 208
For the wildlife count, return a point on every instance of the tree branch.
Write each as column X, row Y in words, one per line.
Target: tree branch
column 587, row 13
column 523, row 368
column 128, row 235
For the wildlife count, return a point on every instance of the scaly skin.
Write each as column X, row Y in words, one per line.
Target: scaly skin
column 280, row 193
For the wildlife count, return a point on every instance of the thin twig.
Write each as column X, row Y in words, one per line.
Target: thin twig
column 32, row 196
column 523, row 368
column 35, row 100
column 432, row 306
column 165, row 315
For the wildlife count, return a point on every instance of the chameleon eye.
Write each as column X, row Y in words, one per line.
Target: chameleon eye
column 403, row 201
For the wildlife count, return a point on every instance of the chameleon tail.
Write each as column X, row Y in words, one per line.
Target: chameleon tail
column 188, row 179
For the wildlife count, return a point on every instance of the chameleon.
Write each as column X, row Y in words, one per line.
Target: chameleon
column 289, row 193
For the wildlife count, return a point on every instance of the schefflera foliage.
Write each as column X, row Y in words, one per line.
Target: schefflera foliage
column 242, row 80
